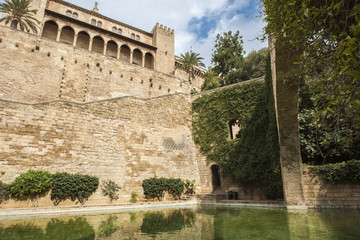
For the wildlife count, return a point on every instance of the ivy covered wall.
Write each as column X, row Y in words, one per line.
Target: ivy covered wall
column 252, row 158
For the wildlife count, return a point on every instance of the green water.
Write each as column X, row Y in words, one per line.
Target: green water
column 187, row 223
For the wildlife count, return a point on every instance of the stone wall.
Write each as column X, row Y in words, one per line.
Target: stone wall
column 320, row 194
column 36, row 69
column 125, row 139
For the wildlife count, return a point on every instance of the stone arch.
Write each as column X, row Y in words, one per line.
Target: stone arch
column 67, row 35
column 137, row 57
column 215, row 177
column 125, row 53
column 149, row 61
column 83, row 40
column 50, row 30
column 111, row 49
column 98, row 45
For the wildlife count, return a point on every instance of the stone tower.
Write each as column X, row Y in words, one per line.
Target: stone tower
column 163, row 39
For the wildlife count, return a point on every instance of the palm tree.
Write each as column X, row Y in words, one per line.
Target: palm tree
column 17, row 12
column 191, row 60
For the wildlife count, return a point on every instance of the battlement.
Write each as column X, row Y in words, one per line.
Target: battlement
column 164, row 29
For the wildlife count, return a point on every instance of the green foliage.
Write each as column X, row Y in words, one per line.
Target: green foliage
column 18, row 14
column 154, row 223
column 110, row 188
column 228, row 56
column 190, row 186
column 254, row 64
column 4, row 194
column 134, row 197
column 108, row 227
column 189, row 60
column 252, row 158
column 344, row 172
column 73, row 186
column 156, row 187
column 73, row 229
column 29, row 185
column 211, row 81
column 327, row 33
column 21, row 232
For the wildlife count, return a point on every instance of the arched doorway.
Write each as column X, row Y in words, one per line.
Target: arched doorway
column 125, row 53
column 137, row 57
column 50, row 30
column 149, row 61
column 98, row 45
column 83, row 40
column 111, row 49
column 67, row 35
column 215, row 177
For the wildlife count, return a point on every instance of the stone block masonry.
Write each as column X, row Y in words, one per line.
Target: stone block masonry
column 125, row 139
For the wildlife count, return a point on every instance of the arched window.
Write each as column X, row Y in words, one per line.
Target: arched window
column 75, row 15
column 137, row 37
column 133, row 36
column 67, row 35
column 50, row 30
column 99, row 24
column 119, row 31
column 137, row 57
column 149, row 61
column 98, row 45
column 83, row 40
column 125, row 53
column 114, row 29
column 68, row 13
column 93, row 22
column 111, row 49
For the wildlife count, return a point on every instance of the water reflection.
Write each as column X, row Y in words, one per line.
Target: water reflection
column 188, row 223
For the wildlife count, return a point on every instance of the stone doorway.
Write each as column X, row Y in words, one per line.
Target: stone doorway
column 215, row 177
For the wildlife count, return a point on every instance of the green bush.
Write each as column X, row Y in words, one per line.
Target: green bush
column 110, row 188
column 175, row 186
column 29, row 185
column 134, row 197
column 156, row 187
column 190, row 186
column 73, row 186
column 4, row 194
column 344, row 172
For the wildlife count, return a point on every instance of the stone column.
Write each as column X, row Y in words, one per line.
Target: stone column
column 143, row 61
column 75, row 40
column 131, row 56
column 286, row 83
column 105, row 47
column 118, row 53
column 58, row 35
column 90, row 44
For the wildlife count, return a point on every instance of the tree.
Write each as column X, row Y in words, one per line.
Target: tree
column 211, row 81
column 228, row 56
column 191, row 60
column 254, row 64
column 17, row 13
column 327, row 33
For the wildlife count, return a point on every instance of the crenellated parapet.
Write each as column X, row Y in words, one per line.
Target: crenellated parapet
column 163, row 29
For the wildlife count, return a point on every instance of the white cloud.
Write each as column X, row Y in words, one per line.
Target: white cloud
column 228, row 15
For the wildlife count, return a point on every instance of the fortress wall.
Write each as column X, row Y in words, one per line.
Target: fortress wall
column 126, row 140
column 36, row 69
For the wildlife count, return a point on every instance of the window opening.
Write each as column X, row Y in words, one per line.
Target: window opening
column 99, row 24
column 68, row 13
column 75, row 15
column 93, row 22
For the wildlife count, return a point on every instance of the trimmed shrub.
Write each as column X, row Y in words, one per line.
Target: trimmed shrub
column 4, row 194
column 73, row 186
column 29, row 185
column 156, row 187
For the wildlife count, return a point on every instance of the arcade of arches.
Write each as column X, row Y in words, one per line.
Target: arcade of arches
column 97, row 44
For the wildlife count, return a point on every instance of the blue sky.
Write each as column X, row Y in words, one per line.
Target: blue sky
column 196, row 22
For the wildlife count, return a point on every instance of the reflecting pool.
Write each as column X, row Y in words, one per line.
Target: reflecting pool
column 205, row 222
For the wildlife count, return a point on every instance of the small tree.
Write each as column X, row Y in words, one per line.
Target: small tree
column 110, row 188
column 17, row 13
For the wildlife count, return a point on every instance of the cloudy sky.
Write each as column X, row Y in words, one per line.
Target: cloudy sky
column 196, row 22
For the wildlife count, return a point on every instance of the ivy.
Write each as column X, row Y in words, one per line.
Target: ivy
column 343, row 172
column 73, row 186
column 156, row 187
column 253, row 157
column 30, row 185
